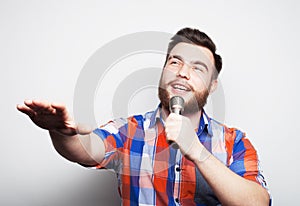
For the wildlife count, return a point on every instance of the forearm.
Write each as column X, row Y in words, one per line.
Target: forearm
column 84, row 149
column 230, row 188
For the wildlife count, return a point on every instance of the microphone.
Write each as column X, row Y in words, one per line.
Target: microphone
column 176, row 105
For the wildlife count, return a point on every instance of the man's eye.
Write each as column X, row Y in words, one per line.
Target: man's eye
column 174, row 62
column 199, row 69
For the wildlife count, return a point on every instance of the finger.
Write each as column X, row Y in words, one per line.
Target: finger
column 22, row 108
column 60, row 108
column 40, row 107
column 173, row 123
column 173, row 118
column 43, row 107
column 26, row 110
column 30, row 104
column 171, row 133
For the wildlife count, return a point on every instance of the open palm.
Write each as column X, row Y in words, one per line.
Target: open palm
column 50, row 116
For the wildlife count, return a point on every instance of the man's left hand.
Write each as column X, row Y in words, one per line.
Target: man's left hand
column 179, row 130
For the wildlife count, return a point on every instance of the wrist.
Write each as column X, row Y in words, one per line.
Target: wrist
column 200, row 154
column 58, row 134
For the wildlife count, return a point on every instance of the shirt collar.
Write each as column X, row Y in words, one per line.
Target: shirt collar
column 205, row 121
column 205, row 124
column 156, row 116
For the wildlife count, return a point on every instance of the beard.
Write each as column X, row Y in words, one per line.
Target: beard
column 193, row 105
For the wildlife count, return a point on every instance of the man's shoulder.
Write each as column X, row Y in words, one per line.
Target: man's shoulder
column 144, row 116
column 230, row 133
column 137, row 118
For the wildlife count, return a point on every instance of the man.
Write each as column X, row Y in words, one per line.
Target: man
column 164, row 158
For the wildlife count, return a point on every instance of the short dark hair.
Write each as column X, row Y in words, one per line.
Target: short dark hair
column 194, row 36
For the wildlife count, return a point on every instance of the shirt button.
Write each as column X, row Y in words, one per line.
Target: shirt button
column 177, row 200
column 177, row 169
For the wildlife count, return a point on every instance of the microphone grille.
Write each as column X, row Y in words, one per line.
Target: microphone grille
column 176, row 102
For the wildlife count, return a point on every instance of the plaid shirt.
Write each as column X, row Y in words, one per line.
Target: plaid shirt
column 150, row 172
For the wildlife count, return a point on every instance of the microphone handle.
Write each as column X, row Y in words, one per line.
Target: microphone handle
column 175, row 110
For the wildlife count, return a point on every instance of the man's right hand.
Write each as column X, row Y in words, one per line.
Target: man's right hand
column 81, row 146
column 51, row 116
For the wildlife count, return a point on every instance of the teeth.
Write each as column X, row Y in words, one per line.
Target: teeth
column 180, row 87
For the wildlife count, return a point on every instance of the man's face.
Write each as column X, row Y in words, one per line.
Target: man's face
column 188, row 73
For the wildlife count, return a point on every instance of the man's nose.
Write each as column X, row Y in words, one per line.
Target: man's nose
column 184, row 71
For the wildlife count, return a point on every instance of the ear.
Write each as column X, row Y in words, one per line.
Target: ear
column 213, row 85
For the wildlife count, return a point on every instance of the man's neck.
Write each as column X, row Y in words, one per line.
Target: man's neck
column 195, row 117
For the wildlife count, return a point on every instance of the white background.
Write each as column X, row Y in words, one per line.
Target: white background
column 45, row 44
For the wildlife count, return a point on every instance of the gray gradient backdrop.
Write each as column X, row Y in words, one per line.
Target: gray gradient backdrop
column 45, row 45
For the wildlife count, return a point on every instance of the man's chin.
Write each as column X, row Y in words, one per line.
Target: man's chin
column 187, row 96
column 194, row 102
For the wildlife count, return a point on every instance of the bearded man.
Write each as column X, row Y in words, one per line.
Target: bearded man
column 209, row 164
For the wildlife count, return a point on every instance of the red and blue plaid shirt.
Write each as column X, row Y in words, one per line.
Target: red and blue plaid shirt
column 150, row 172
